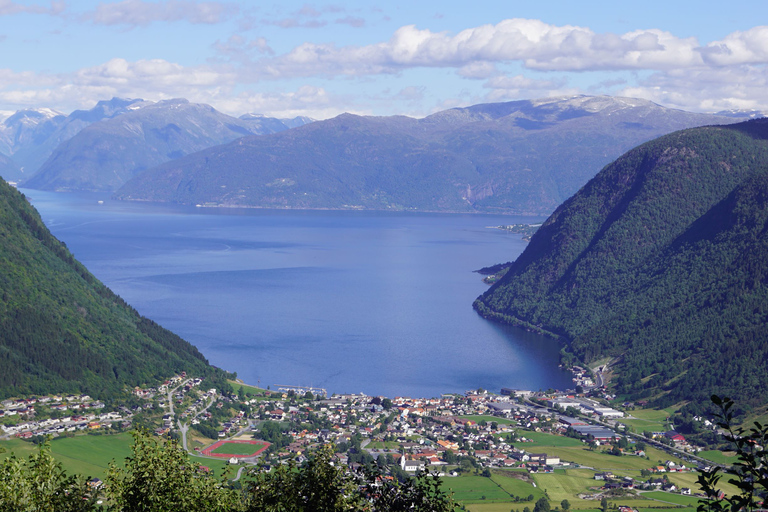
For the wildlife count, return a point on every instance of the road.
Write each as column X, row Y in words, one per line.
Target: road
column 669, row 449
column 184, row 427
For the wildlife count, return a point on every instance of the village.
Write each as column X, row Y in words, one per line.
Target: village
column 527, row 434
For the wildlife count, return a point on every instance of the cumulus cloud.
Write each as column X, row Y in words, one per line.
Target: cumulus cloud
column 706, row 89
column 536, row 44
column 149, row 79
column 141, row 13
column 749, row 47
column 157, row 79
column 652, row 64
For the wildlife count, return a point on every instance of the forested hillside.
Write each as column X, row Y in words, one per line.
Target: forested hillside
column 61, row 330
column 660, row 261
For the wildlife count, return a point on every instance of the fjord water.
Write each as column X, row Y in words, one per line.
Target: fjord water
column 351, row 301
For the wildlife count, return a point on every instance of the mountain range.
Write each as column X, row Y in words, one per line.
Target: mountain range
column 120, row 135
column 659, row 263
column 515, row 157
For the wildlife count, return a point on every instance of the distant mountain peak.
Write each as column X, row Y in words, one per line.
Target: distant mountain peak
column 33, row 116
column 743, row 113
column 508, row 157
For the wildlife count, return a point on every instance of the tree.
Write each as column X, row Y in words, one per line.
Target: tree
column 40, row 484
column 159, row 477
column 318, row 486
column 542, row 505
column 323, row 487
column 565, row 504
column 604, row 504
column 748, row 474
column 419, row 494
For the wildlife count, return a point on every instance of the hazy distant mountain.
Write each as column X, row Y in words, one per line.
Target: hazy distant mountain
column 742, row 114
column 660, row 262
column 30, row 136
column 266, row 124
column 521, row 157
column 105, row 154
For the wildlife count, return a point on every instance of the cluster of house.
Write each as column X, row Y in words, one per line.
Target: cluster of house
column 582, row 377
column 425, row 430
column 85, row 417
column 173, row 382
column 233, row 424
column 197, row 409
column 52, row 426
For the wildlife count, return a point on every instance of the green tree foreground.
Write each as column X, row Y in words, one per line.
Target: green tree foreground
column 749, row 474
column 160, row 477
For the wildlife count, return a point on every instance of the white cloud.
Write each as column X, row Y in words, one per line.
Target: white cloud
column 141, row 13
column 158, row 79
column 535, row 44
column 149, row 73
column 730, row 73
column 307, row 100
column 706, row 89
column 478, row 70
column 750, row 47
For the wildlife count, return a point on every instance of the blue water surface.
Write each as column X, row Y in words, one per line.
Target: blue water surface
column 351, row 301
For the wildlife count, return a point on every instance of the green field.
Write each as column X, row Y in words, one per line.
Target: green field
column 499, row 489
column 249, row 389
column 237, row 448
column 382, row 445
column 653, row 420
column 489, row 419
column 515, row 486
column 89, row 455
column 472, row 489
column 689, row 480
column 543, row 439
column 719, row 457
column 566, row 485
column 668, row 497
column 598, row 460
column 85, row 455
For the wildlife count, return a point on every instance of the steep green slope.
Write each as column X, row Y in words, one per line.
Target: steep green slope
column 61, row 330
column 660, row 261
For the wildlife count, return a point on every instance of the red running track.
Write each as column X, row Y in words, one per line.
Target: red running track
column 209, row 451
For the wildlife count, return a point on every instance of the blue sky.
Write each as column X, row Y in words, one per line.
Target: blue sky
column 382, row 58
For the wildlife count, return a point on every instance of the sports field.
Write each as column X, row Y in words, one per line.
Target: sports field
column 238, row 449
